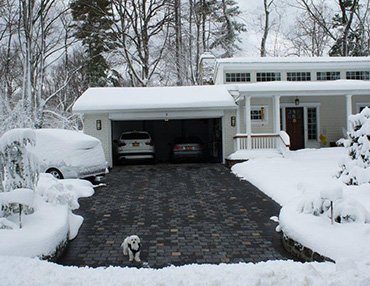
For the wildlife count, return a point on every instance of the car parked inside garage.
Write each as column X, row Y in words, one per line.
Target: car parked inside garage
column 135, row 145
column 188, row 147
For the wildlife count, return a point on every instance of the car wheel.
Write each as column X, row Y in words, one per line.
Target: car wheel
column 55, row 173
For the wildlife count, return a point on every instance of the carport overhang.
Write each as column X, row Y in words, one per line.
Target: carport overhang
column 156, row 103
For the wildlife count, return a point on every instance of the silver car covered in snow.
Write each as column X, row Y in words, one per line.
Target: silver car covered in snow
column 69, row 154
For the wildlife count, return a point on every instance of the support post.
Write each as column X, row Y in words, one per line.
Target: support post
column 248, row 122
column 348, row 110
column 238, row 120
column 276, row 100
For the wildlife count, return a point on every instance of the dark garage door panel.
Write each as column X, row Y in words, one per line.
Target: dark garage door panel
column 164, row 133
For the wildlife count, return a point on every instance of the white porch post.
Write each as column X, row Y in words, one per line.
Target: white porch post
column 277, row 113
column 248, row 123
column 238, row 120
column 348, row 110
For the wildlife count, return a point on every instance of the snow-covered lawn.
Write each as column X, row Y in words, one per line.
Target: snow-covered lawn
column 52, row 221
column 288, row 181
column 296, row 183
column 26, row 271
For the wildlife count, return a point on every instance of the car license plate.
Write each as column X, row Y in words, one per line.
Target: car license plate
column 135, row 144
column 188, row 148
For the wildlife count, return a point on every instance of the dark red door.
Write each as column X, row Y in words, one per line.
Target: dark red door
column 295, row 127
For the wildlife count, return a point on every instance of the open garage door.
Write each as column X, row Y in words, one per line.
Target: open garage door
column 164, row 133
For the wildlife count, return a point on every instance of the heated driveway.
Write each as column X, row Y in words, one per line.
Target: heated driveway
column 184, row 213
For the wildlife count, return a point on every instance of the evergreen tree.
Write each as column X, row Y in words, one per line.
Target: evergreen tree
column 92, row 23
column 227, row 35
column 356, row 167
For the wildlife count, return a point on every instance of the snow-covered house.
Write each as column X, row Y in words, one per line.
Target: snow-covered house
column 253, row 99
column 309, row 98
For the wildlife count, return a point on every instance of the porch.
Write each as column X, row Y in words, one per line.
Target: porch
column 296, row 93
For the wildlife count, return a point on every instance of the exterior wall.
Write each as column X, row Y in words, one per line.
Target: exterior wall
column 283, row 68
column 258, row 127
column 228, row 133
column 104, row 135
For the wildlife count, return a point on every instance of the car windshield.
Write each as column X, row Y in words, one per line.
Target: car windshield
column 134, row 135
column 187, row 140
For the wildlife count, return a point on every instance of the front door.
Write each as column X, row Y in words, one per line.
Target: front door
column 295, row 127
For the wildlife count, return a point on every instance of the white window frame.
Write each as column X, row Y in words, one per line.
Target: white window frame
column 361, row 104
column 259, row 121
column 312, row 143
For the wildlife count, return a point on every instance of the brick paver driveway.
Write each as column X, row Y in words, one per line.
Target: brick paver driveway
column 184, row 213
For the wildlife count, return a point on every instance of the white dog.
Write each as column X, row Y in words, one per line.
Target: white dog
column 132, row 247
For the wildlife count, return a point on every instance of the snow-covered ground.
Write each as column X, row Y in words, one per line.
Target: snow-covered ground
column 288, row 181
column 52, row 221
column 298, row 183
column 26, row 271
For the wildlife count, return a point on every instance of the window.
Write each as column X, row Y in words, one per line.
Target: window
column 238, row 77
column 358, row 75
column 268, row 76
column 312, row 123
column 298, row 76
column 332, row 75
column 361, row 106
column 259, row 114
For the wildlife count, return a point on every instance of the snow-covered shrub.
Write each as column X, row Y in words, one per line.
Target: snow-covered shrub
column 356, row 167
column 18, row 168
column 345, row 211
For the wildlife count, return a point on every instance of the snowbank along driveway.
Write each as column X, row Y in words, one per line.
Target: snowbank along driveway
column 183, row 213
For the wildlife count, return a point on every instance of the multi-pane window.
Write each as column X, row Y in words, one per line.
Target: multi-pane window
column 330, row 75
column 268, row 76
column 298, row 76
column 312, row 123
column 238, row 77
column 358, row 75
column 259, row 113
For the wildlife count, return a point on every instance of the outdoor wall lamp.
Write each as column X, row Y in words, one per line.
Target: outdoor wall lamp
column 233, row 121
column 262, row 114
column 296, row 101
column 98, row 124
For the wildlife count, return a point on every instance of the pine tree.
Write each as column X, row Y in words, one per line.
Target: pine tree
column 356, row 168
column 227, row 35
column 92, row 23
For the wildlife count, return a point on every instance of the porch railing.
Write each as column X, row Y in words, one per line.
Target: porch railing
column 279, row 141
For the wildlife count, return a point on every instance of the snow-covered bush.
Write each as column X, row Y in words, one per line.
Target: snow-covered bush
column 356, row 167
column 18, row 168
column 333, row 205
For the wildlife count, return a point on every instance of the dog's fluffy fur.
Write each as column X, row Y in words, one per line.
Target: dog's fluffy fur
column 132, row 247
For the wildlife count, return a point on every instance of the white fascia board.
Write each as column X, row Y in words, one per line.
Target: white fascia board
column 166, row 115
column 306, row 93
column 295, row 66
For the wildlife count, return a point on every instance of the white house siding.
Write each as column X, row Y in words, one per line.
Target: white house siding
column 257, row 127
column 228, row 133
column 104, row 135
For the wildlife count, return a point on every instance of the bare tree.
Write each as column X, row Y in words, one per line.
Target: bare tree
column 339, row 27
column 141, row 29
column 267, row 10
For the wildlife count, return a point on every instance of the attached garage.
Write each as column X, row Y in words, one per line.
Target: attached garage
column 165, row 112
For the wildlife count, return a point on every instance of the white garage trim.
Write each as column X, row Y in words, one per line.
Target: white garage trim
column 170, row 115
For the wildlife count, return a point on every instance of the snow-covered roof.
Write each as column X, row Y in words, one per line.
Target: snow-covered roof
column 248, row 60
column 304, row 88
column 113, row 99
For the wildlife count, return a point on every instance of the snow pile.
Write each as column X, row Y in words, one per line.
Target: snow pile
column 52, row 220
column 271, row 273
column 283, row 179
column 356, row 167
column 253, row 154
column 298, row 184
